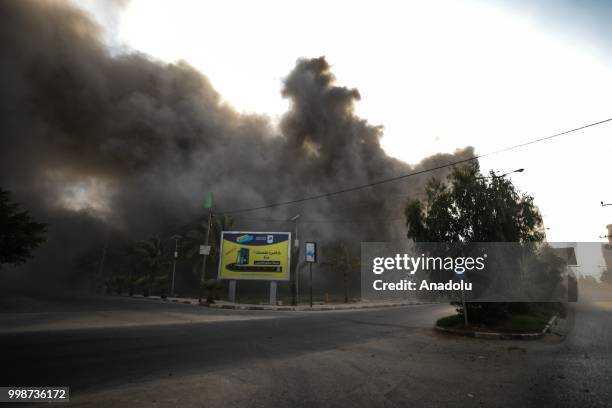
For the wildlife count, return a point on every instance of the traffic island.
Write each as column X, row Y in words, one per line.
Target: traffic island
column 522, row 327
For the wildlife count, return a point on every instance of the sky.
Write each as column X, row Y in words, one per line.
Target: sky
column 438, row 75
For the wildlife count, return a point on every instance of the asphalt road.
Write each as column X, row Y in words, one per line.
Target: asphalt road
column 578, row 373
column 194, row 356
column 98, row 358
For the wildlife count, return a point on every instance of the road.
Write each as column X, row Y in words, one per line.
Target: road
column 145, row 353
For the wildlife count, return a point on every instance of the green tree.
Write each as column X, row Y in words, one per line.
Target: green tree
column 153, row 259
column 19, row 233
column 472, row 208
column 341, row 261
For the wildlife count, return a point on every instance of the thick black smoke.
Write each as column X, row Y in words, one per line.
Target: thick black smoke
column 93, row 142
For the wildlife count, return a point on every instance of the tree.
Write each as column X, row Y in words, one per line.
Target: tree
column 213, row 286
column 340, row 260
column 606, row 276
column 197, row 236
column 19, row 233
column 153, row 259
column 472, row 208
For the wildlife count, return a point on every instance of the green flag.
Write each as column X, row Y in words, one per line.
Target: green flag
column 209, row 200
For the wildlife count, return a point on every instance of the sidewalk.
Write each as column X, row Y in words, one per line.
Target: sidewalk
column 303, row 307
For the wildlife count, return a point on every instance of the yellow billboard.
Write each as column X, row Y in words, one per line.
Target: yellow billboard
column 255, row 255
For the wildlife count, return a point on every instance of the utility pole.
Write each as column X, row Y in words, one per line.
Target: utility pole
column 465, row 311
column 209, row 205
column 102, row 259
column 203, row 277
column 176, row 240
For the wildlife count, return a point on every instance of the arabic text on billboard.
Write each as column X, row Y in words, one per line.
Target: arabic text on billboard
column 254, row 255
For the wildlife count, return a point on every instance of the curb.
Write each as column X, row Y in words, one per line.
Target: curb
column 313, row 309
column 275, row 308
column 499, row 336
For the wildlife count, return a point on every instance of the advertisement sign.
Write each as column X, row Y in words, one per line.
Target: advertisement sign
column 311, row 252
column 254, row 255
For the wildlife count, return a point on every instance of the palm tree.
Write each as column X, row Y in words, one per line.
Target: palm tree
column 153, row 258
column 340, row 260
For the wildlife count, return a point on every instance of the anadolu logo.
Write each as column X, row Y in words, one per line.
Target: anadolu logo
column 244, row 238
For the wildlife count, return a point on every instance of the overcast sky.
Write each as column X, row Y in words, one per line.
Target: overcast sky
column 438, row 75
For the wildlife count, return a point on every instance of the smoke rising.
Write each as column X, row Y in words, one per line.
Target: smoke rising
column 93, row 142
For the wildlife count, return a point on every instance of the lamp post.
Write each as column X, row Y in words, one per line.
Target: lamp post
column 544, row 229
column 206, row 240
column 176, row 239
column 296, row 244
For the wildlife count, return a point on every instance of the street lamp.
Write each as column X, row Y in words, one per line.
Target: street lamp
column 295, row 219
column 296, row 244
column 176, row 240
column 502, row 175
column 545, row 229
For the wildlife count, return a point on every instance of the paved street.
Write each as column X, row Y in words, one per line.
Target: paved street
column 386, row 357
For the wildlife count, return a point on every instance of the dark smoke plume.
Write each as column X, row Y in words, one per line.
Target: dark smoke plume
column 93, row 142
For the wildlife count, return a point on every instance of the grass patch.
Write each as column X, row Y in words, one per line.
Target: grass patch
column 532, row 320
column 451, row 322
column 522, row 324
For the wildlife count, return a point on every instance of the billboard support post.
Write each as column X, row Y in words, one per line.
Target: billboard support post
column 232, row 291
column 273, row 292
column 311, row 257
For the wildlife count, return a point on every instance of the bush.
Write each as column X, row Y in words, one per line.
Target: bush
column 212, row 287
column 516, row 317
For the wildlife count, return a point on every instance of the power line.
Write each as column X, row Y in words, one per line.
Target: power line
column 319, row 220
column 416, row 173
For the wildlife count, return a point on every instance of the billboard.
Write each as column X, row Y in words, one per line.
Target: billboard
column 255, row 255
column 311, row 252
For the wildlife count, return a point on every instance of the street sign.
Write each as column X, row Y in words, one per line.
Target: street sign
column 204, row 249
column 311, row 252
column 209, row 201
